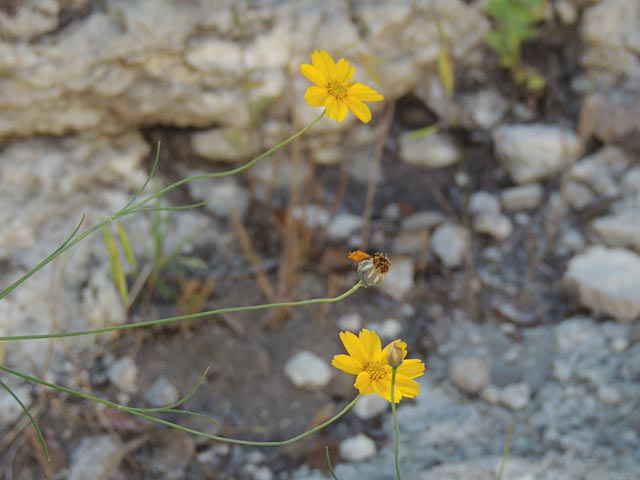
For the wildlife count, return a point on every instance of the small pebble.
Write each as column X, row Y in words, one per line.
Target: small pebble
column 390, row 329
column 307, row 370
column 161, row 393
column 350, row 321
column 357, row 448
column 469, row 374
column 516, row 396
column 124, row 374
column 370, row 406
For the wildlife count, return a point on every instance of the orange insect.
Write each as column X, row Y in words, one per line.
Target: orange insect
column 358, row 255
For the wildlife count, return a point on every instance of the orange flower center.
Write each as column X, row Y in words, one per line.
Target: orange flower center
column 376, row 370
column 337, row 90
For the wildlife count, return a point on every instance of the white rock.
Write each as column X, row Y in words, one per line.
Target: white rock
column 161, row 393
column 579, row 196
column 222, row 144
column 620, row 229
column 431, row 151
column 567, row 12
column 350, row 321
column 516, row 396
column 370, row 406
column 607, row 280
column 123, row 373
column 469, row 374
column 422, row 220
column 355, row 449
column 450, row 243
column 96, row 457
column 523, row 197
column 483, row 203
column 307, row 370
column 218, row 56
column 534, row 152
column 601, row 170
column 607, row 23
column 390, row 329
column 497, row 226
column 490, row 394
column 10, row 410
column 484, row 109
column 255, row 472
column 399, row 281
column 344, row 225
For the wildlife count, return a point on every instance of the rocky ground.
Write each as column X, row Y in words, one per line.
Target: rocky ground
column 514, row 235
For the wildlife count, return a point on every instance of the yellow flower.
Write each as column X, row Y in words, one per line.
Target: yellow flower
column 334, row 89
column 368, row 360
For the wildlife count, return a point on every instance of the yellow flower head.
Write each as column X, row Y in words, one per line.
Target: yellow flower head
column 368, row 360
column 334, row 89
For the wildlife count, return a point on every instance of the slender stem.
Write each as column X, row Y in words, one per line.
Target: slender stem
column 505, row 452
column 166, row 423
column 178, row 318
column 30, row 417
column 227, row 172
column 396, row 426
column 329, row 465
column 131, row 207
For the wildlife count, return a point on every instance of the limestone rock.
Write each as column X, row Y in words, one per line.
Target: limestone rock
column 620, row 229
column 123, row 373
column 523, row 197
column 307, row 370
column 358, row 448
column 607, row 280
column 469, row 374
column 535, row 152
column 451, row 244
column 431, row 151
column 96, row 457
column 222, row 144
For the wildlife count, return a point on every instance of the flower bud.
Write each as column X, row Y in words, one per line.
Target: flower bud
column 395, row 355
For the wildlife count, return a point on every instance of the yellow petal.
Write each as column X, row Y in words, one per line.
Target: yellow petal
column 407, row 387
column 323, row 62
column 344, row 71
column 364, row 384
column 336, row 109
column 371, row 342
column 347, row 364
column 316, row 96
column 313, row 74
column 364, row 92
column 383, row 388
column 354, row 346
column 411, row 368
column 358, row 108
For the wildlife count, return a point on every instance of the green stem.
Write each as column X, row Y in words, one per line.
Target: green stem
column 227, row 172
column 396, row 426
column 178, row 318
column 505, row 452
column 135, row 207
column 166, row 423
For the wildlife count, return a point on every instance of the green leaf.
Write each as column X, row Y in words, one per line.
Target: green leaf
column 117, row 271
column 126, row 245
column 423, row 132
